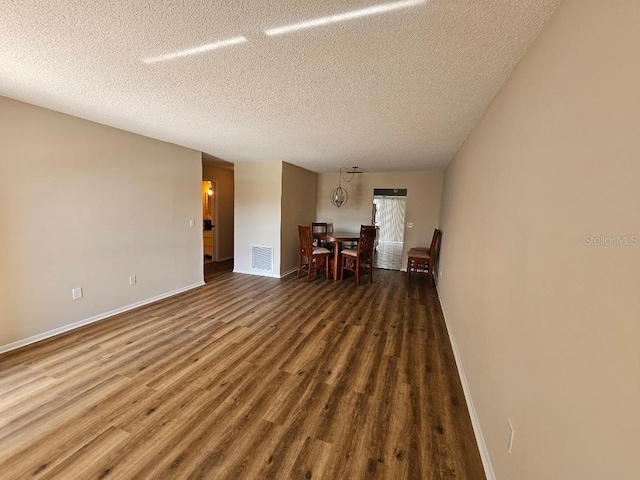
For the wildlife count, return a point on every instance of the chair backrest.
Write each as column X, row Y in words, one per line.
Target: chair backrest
column 318, row 229
column 435, row 255
column 306, row 240
column 434, row 242
column 366, row 242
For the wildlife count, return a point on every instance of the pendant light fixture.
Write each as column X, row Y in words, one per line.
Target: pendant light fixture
column 339, row 196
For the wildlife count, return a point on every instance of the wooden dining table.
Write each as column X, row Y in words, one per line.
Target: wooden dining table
column 338, row 238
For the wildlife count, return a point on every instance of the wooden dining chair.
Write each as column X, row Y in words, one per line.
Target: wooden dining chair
column 319, row 229
column 311, row 257
column 435, row 259
column 422, row 260
column 360, row 258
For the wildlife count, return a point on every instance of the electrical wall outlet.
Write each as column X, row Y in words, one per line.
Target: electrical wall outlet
column 410, row 225
column 132, row 280
column 76, row 293
column 511, row 433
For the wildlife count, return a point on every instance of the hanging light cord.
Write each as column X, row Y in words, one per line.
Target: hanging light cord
column 352, row 172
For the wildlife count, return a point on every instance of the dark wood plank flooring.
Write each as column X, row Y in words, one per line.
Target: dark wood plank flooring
column 213, row 269
column 245, row 377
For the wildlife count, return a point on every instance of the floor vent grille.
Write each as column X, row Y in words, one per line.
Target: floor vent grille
column 262, row 258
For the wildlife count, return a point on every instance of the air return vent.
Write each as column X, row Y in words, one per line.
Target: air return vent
column 262, row 258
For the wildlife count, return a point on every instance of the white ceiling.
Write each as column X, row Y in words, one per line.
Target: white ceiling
column 396, row 91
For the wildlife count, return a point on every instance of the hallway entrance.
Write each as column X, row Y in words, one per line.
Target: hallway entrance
column 388, row 214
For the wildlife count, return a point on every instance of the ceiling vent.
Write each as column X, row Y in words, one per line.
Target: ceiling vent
column 262, row 258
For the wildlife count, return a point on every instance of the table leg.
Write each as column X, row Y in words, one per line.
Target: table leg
column 336, row 262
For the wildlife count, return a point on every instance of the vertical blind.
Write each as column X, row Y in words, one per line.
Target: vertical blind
column 390, row 217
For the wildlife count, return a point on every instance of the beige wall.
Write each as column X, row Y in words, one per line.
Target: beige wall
column 423, row 202
column 85, row 205
column 258, row 193
column 225, row 226
column 299, row 188
column 548, row 327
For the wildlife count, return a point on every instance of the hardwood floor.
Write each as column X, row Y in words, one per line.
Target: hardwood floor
column 245, row 377
column 212, row 269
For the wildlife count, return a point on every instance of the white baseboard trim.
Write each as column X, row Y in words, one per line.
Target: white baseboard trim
column 295, row 270
column 259, row 274
column 95, row 318
column 265, row 274
column 475, row 422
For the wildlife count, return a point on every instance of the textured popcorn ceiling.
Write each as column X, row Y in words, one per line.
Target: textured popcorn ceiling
column 398, row 91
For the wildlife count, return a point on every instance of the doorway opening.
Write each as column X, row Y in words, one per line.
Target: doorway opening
column 209, row 210
column 388, row 213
